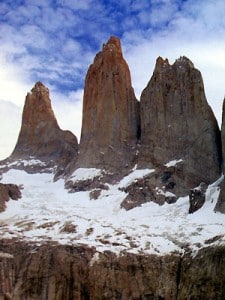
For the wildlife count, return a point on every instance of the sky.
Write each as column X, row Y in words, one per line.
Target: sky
column 55, row 42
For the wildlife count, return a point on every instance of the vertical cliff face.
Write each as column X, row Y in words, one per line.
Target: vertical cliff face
column 63, row 272
column 110, row 112
column 40, row 136
column 220, row 206
column 178, row 124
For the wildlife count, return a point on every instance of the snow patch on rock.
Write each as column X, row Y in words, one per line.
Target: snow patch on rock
column 85, row 173
column 173, row 163
column 135, row 174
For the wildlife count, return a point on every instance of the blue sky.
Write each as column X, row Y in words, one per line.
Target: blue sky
column 56, row 41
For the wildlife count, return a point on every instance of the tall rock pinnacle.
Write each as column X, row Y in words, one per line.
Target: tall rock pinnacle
column 110, row 112
column 177, row 124
column 40, row 136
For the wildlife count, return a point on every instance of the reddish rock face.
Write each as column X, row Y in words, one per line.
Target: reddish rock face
column 40, row 136
column 110, row 112
column 177, row 123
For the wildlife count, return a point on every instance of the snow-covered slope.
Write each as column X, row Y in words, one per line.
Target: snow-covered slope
column 48, row 212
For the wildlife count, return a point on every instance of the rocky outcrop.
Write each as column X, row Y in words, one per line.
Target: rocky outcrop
column 179, row 132
column 41, row 142
column 220, row 205
column 61, row 272
column 7, row 192
column 110, row 113
column 197, row 198
column 161, row 186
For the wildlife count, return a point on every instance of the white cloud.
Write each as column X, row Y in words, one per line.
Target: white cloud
column 194, row 31
column 10, row 116
column 141, row 60
column 13, row 85
column 68, row 110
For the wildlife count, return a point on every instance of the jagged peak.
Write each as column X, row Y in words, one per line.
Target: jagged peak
column 39, row 87
column 160, row 63
column 113, row 45
column 183, row 61
column 39, row 84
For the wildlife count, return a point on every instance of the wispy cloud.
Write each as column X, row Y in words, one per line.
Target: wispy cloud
column 68, row 110
column 176, row 28
column 11, row 114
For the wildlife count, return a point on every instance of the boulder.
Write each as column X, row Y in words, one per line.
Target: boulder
column 197, row 198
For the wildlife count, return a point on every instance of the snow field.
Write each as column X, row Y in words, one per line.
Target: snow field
column 47, row 212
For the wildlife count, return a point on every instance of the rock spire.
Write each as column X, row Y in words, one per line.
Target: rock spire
column 40, row 137
column 178, row 124
column 180, row 138
column 110, row 112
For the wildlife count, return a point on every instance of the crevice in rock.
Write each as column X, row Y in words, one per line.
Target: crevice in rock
column 178, row 277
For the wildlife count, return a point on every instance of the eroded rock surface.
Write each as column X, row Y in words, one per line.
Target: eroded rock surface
column 110, row 113
column 7, row 192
